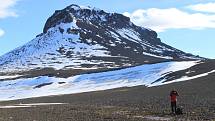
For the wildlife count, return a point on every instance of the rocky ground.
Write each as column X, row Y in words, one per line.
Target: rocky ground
column 197, row 97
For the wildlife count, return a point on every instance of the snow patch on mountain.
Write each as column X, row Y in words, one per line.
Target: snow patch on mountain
column 129, row 34
column 134, row 76
column 76, row 7
column 184, row 78
column 43, row 51
column 165, row 57
column 6, row 77
column 28, row 105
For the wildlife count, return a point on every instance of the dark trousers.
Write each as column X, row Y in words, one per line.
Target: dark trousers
column 173, row 107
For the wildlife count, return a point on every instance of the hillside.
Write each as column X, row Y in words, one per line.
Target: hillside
column 83, row 40
column 130, row 104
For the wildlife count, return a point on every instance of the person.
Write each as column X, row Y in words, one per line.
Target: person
column 173, row 98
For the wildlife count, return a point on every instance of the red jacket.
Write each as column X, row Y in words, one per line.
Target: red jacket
column 173, row 96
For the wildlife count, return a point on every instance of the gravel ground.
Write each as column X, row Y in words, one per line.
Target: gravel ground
column 197, row 97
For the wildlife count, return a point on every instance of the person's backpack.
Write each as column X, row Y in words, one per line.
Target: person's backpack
column 179, row 111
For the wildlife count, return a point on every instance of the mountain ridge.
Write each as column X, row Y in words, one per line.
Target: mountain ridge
column 83, row 38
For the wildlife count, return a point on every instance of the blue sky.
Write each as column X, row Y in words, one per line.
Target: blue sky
column 186, row 25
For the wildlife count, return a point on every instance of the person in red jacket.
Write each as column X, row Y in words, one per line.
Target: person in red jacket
column 173, row 98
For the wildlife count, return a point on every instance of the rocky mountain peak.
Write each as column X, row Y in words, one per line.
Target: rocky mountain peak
column 85, row 39
column 86, row 14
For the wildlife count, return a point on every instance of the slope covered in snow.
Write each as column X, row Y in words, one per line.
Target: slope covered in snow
column 141, row 75
column 88, row 38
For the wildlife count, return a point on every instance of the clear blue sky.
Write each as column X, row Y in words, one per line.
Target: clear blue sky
column 186, row 25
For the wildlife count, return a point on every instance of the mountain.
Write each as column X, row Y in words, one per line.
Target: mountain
column 83, row 40
column 85, row 49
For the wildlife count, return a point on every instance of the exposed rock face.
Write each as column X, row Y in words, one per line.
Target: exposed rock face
column 86, row 14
